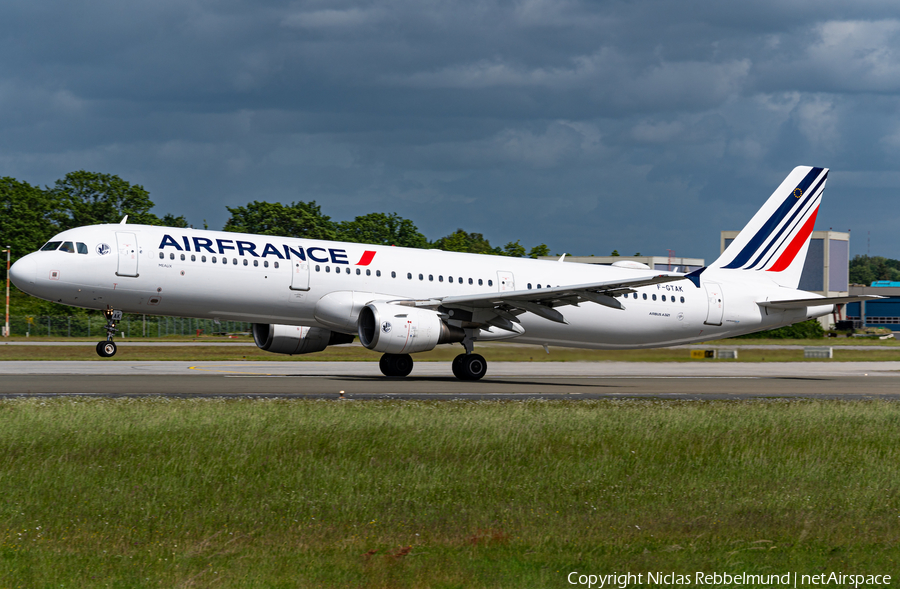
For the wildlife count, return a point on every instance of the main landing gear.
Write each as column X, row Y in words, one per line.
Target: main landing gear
column 107, row 349
column 469, row 366
column 396, row 364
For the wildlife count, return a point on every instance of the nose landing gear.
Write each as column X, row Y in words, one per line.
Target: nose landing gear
column 107, row 349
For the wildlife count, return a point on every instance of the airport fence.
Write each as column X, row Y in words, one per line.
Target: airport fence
column 130, row 326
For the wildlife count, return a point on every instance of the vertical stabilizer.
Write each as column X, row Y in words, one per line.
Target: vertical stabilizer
column 776, row 239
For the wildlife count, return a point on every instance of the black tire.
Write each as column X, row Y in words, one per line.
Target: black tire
column 456, row 366
column 107, row 349
column 396, row 364
column 387, row 364
column 472, row 367
column 100, row 349
column 403, row 364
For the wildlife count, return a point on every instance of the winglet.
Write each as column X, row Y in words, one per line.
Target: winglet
column 124, row 219
column 561, row 258
column 695, row 276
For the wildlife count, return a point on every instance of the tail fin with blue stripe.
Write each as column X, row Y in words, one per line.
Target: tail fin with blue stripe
column 776, row 239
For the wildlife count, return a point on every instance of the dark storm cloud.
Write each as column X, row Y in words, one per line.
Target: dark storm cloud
column 588, row 126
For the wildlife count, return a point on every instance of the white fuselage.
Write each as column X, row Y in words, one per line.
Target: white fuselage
column 278, row 280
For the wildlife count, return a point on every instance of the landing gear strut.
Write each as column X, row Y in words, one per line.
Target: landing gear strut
column 396, row 364
column 107, row 349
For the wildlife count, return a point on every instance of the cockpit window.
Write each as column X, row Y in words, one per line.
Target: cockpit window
column 82, row 249
column 68, row 247
column 50, row 246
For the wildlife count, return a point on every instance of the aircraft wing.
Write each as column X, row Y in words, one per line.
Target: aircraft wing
column 500, row 308
column 801, row 303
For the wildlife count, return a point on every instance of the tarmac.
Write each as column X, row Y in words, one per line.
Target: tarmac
column 433, row 380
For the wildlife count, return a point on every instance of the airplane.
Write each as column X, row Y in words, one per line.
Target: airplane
column 302, row 295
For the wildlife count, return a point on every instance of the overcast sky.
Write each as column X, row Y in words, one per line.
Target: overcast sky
column 588, row 126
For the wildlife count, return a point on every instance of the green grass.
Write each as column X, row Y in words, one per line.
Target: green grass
column 492, row 352
column 141, row 493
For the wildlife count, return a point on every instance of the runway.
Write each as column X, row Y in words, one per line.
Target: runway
column 433, row 380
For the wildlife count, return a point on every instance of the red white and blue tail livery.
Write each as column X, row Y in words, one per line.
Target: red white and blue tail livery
column 776, row 239
column 303, row 295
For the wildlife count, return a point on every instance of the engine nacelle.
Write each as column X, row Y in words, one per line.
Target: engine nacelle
column 396, row 329
column 295, row 339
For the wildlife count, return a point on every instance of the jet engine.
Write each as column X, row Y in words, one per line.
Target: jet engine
column 295, row 339
column 397, row 329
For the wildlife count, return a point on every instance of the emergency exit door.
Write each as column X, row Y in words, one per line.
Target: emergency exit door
column 300, row 275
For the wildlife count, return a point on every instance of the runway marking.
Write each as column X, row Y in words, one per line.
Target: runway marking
column 206, row 369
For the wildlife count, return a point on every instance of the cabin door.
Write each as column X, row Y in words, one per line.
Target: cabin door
column 716, row 308
column 128, row 254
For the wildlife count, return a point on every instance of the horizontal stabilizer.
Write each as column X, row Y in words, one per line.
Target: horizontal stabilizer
column 801, row 303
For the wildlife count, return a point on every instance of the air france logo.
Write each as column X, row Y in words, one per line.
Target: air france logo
column 249, row 248
column 386, row 327
column 103, row 249
column 798, row 192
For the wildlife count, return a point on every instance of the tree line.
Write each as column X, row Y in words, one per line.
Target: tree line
column 867, row 269
column 31, row 215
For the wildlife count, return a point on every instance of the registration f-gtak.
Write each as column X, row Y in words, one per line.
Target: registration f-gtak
column 303, row 295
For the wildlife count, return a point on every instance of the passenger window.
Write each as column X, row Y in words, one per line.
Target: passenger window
column 682, row 299
column 393, row 274
column 276, row 264
column 51, row 246
column 358, row 272
column 431, row 278
column 441, row 278
column 68, row 247
column 255, row 263
column 162, row 256
column 654, row 297
column 450, row 279
column 664, row 298
column 645, row 296
column 529, row 286
column 459, row 280
column 246, row 262
column 213, row 259
column 378, row 273
column 317, row 268
column 193, row 258
column 421, row 277
column 234, row 261
column 634, row 295
column 348, row 270
column 470, row 281
column 82, row 249
column 327, row 268
column 266, row 265
column 182, row 257
column 368, row 272
column 479, row 282
column 202, row 258
column 490, row 283
column 409, row 275
column 171, row 256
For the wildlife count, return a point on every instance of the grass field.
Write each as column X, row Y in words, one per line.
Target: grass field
column 492, row 352
column 212, row 493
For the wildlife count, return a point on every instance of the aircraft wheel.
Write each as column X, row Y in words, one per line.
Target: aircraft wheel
column 106, row 349
column 469, row 366
column 396, row 364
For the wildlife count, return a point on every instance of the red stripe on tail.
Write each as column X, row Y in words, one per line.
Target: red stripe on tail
column 366, row 258
column 791, row 252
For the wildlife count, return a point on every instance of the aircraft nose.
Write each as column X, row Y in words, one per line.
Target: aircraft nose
column 23, row 272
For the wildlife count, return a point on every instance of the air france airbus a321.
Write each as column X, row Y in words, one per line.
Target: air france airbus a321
column 303, row 295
